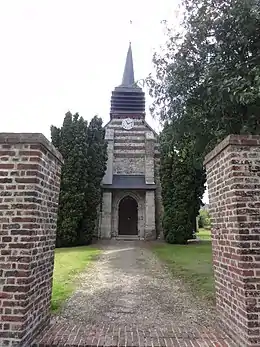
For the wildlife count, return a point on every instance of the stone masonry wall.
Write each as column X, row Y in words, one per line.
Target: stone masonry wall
column 133, row 166
column 109, row 137
column 233, row 176
column 129, row 147
column 106, row 215
column 149, row 157
column 150, row 232
column 131, row 152
column 29, row 189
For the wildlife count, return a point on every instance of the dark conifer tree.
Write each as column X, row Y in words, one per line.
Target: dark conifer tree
column 96, row 166
column 82, row 172
column 182, row 188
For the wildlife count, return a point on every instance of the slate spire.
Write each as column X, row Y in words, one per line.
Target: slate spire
column 128, row 99
column 128, row 77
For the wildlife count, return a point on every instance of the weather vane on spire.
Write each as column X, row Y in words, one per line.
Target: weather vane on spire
column 130, row 31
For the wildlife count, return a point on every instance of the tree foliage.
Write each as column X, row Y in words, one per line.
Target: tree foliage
column 207, row 86
column 97, row 158
column 208, row 79
column 182, row 189
column 204, row 219
column 80, row 182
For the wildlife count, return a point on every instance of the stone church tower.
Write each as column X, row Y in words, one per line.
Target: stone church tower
column 131, row 204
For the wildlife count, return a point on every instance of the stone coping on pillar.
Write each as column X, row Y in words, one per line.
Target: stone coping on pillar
column 242, row 140
column 30, row 138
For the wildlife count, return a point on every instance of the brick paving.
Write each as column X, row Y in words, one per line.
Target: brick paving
column 69, row 335
column 129, row 298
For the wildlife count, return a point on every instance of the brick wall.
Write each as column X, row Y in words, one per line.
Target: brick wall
column 29, row 188
column 233, row 176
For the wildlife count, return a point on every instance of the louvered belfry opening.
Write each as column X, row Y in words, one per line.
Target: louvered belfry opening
column 127, row 101
column 128, row 98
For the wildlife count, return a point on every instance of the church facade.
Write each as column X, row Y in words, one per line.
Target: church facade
column 131, row 194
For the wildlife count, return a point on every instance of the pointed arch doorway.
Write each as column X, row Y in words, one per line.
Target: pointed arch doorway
column 128, row 216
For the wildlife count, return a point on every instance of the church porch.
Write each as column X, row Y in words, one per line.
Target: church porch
column 128, row 214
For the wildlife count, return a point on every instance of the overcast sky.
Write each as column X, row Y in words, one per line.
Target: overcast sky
column 60, row 55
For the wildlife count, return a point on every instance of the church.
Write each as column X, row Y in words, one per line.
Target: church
column 131, row 193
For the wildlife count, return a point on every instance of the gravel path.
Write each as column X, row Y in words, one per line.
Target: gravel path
column 128, row 285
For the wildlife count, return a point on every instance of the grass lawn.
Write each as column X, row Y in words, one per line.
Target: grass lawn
column 204, row 234
column 193, row 264
column 67, row 264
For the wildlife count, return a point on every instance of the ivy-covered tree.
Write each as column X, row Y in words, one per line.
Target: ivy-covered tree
column 75, row 221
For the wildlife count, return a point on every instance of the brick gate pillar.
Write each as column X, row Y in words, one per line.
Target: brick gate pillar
column 233, row 177
column 29, row 189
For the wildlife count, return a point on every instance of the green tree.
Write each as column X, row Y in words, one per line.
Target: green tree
column 180, row 180
column 207, row 81
column 71, row 141
column 167, row 152
column 96, row 166
column 74, row 141
column 204, row 219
